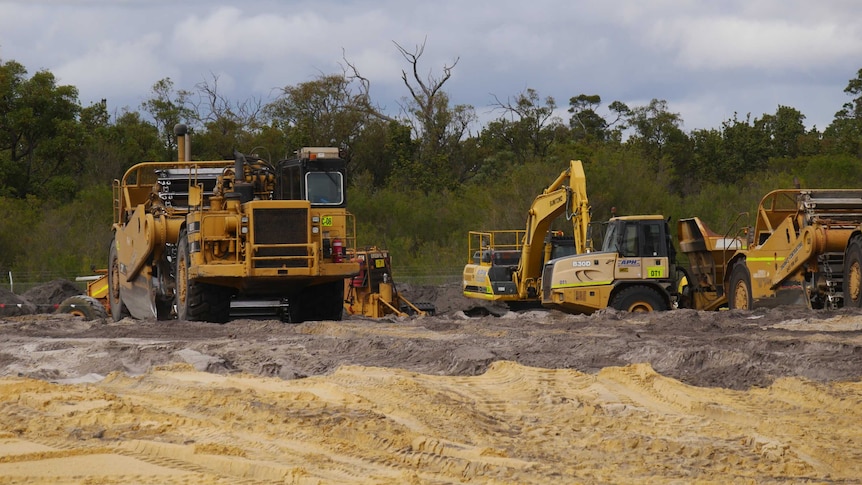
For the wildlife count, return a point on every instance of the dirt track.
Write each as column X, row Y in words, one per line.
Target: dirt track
column 528, row 397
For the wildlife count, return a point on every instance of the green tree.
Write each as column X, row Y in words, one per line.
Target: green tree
column 115, row 145
column 844, row 134
column 785, row 130
column 168, row 108
column 39, row 135
column 656, row 129
column 589, row 126
column 747, row 147
column 528, row 126
column 660, row 141
column 221, row 126
column 322, row 112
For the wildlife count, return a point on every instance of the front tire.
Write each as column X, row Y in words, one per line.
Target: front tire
column 853, row 274
column 639, row 299
column 198, row 301
column 739, row 297
column 83, row 306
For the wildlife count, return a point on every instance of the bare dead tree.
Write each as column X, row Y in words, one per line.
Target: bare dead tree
column 213, row 108
column 426, row 92
column 363, row 98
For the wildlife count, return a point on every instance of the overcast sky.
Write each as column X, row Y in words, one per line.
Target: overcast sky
column 708, row 60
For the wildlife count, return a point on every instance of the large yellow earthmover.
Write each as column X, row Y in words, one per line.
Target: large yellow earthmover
column 211, row 240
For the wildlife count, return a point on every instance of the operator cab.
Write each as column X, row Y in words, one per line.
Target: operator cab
column 316, row 174
column 639, row 237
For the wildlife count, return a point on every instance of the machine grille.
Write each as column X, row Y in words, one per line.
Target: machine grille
column 285, row 228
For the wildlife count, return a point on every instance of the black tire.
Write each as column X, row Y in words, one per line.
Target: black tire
column 853, row 274
column 198, row 302
column 739, row 291
column 115, row 300
column 639, row 299
column 428, row 308
column 319, row 302
column 84, row 306
column 684, row 288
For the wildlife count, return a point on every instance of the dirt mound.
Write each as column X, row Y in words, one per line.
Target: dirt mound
column 532, row 397
column 448, row 298
column 12, row 304
column 52, row 293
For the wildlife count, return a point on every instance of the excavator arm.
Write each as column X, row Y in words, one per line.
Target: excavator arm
column 567, row 194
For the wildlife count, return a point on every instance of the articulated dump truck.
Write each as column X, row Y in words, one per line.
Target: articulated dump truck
column 805, row 248
column 211, row 240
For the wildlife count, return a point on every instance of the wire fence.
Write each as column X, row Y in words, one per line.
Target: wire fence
column 425, row 276
column 19, row 282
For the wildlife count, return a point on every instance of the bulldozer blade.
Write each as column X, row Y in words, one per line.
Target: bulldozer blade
column 139, row 298
column 787, row 296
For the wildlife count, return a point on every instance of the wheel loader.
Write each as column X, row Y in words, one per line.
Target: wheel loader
column 213, row 240
column 372, row 293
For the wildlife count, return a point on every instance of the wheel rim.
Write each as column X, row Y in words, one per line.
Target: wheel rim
column 182, row 284
column 641, row 307
column 854, row 285
column 740, row 296
column 115, row 278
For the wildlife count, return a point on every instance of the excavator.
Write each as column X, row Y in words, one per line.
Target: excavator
column 506, row 266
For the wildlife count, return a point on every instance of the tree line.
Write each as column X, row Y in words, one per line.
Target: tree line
column 418, row 180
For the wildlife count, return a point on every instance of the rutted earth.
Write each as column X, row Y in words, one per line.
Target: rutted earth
column 501, row 397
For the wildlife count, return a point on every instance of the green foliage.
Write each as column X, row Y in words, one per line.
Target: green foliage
column 20, row 216
column 419, row 182
column 830, row 171
column 39, row 133
column 70, row 239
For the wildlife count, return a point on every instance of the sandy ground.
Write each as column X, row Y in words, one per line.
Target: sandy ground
column 527, row 397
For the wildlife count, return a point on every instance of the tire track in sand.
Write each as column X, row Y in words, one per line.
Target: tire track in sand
column 512, row 424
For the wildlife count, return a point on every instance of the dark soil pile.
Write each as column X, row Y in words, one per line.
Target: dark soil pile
column 52, row 293
column 12, row 304
column 40, row 299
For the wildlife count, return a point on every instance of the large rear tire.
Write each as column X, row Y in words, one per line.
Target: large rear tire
column 84, row 306
column 739, row 297
column 118, row 308
column 685, row 288
column 639, row 299
column 198, row 302
column 853, row 274
column 319, row 302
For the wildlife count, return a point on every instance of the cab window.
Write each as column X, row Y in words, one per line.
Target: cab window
column 652, row 240
column 324, row 188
